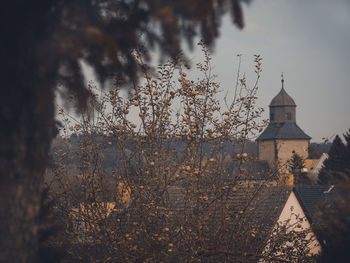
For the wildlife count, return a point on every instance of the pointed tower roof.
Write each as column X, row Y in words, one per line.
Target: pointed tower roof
column 283, row 119
column 282, row 98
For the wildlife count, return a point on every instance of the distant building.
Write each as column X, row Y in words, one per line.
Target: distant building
column 283, row 136
column 314, row 167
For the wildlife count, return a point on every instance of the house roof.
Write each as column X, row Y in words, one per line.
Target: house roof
column 253, row 170
column 250, row 168
column 254, row 211
column 311, row 196
column 257, row 170
column 262, row 208
column 241, row 221
column 286, row 131
column 282, row 99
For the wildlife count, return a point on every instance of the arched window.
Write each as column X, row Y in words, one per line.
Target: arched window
column 272, row 117
column 289, row 116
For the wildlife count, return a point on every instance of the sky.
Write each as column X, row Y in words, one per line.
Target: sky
column 309, row 41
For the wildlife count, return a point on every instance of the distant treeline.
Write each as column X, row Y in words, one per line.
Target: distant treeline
column 316, row 149
column 111, row 154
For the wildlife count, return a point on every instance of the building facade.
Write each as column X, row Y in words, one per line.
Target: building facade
column 283, row 136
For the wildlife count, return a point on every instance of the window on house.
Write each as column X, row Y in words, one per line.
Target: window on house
column 272, row 116
column 289, row 116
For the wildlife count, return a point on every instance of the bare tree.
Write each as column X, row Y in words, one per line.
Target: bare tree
column 173, row 194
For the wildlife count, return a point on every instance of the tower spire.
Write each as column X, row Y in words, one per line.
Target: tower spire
column 282, row 80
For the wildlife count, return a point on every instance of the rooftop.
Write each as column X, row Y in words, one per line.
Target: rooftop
column 311, row 196
column 286, row 131
column 282, row 99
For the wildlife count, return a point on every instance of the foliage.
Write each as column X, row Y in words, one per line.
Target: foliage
column 335, row 162
column 174, row 194
column 346, row 158
column 337, row 166
column 296, row 163
column 333, row 226
column 58, row 35
column 315, row 150
column 295, row 166
column 44, row 45
column 291, row 242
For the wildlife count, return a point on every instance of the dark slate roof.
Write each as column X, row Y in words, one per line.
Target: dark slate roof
column 282, row 99
column 287, row 131
column 262, row 208
column 253, row 170
column 249, row 209
column 257, row 170
column 253, row 209
column 311, row 196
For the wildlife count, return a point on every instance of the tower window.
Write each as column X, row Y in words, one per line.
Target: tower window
column 289, row 116
column 272, row 116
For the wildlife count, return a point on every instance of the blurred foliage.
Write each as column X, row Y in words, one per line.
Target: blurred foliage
column 333, row 217
column 46, row 41
column 337, row 167
column 333, row 225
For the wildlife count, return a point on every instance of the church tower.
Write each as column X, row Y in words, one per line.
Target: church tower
column 283, row 136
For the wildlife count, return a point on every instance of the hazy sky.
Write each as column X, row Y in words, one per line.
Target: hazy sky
column 307, row 40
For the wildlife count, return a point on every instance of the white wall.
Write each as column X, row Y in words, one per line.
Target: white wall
column 293, row 211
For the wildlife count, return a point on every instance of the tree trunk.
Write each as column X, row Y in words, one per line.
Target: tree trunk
column 26, row 124
column 27, row 121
